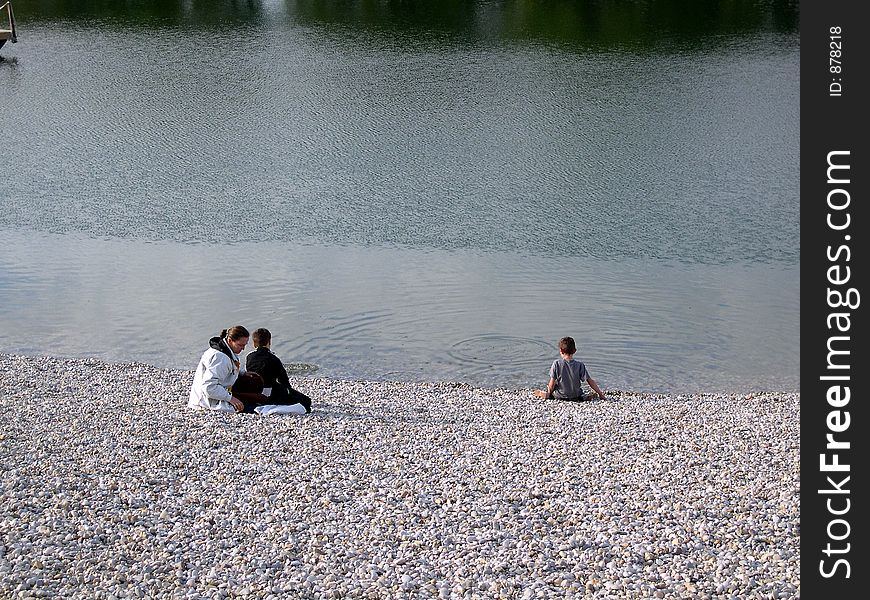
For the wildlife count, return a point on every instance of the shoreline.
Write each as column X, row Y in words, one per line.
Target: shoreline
column 302, row 375
column 391, row 490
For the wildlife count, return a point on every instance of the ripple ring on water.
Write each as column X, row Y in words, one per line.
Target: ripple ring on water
column 505, row 350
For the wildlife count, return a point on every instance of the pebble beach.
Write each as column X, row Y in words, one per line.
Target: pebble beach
column 111, row 487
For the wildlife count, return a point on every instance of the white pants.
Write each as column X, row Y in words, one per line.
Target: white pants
column 280, row 409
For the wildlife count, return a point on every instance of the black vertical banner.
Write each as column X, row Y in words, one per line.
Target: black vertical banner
column 834, row 169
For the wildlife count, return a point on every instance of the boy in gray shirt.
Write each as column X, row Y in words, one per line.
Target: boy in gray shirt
column 566, row 376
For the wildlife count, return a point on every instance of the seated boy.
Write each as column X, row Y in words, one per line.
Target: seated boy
column 274, row 375
column 566, row 376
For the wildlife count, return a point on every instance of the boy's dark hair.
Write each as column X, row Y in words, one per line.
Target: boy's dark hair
column 566, row 345
column 261, row 337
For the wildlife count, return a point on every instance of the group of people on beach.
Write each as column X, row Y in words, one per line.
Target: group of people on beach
column 221, row 383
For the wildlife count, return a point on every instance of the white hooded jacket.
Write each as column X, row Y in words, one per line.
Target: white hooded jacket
column 214, row 375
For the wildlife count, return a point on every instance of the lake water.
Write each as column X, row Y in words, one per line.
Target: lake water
column 416, row 191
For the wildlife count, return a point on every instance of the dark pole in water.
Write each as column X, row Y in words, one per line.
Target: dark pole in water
column 12, row 22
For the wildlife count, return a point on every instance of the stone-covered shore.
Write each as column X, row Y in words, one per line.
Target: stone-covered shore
column 111, row 488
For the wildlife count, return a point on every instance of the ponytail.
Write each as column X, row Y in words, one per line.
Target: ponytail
column 235, row 332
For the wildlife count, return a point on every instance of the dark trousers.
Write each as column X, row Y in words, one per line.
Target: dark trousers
column 249, row 389
column 284, row 394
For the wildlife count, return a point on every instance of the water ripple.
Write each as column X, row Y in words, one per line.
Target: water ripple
column 382, row 313
column 193, row 138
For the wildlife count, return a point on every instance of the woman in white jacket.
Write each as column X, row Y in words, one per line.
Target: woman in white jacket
column 218, row 370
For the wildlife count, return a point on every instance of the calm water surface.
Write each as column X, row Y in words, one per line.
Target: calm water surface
column 427, row 195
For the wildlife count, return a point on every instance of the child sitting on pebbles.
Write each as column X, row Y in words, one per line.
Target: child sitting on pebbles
column 272, row 370
column 566, row 376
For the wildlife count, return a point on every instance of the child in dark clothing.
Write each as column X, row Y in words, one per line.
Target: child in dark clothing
column 274, row 375
column 566, row 376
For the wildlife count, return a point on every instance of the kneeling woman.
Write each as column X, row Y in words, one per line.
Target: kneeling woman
column 220, row 383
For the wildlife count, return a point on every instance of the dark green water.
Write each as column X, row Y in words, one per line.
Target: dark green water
column 410, row 190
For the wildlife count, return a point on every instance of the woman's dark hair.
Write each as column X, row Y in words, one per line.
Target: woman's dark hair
column 566, row 345
column 235, row 332
column 261, row 337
